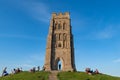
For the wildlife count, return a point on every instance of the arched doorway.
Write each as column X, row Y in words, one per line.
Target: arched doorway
column 59, row 64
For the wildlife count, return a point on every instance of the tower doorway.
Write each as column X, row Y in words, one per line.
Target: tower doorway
column 59, row 65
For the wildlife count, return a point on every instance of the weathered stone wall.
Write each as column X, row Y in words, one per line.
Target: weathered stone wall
column 60, row 43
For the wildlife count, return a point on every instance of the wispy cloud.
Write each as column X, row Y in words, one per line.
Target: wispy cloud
column 27, row 65
column 116, row 61
column 20, row 36
column 107, row 33
column 95, row 29
column 34, row 9
column 34, row 58
column 103, row 29
column 31, row 61
column 37, row 57
column 37, row 10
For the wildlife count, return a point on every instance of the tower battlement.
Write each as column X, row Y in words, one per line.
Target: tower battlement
column 61, row 15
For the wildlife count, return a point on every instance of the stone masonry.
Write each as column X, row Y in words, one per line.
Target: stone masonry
column 60, row 46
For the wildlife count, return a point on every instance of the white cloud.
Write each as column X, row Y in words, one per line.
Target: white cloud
column 117, row 61
column 37, row 57
column 34, row 59
column 37, row 10
column 106, row 33
column 20, row 36
column 27, row 65
column 34, row 9
column 95, row 29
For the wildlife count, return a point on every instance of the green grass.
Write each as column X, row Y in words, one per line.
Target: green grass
column 62, row 76
column 27, row 76
column 84, row 76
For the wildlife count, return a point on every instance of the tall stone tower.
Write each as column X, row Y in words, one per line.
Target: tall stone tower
column 60, row 47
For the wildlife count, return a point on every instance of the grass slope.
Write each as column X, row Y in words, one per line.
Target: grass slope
column 27, row 76
column 61, row 76
column 84, row 76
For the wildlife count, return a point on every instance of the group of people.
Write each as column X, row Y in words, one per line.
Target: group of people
column 34, row 69
column 18, row 70
column 15, row 71
column 89, row 71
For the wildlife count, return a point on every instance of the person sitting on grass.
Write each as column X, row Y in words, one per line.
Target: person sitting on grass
column 4, row 73
column 89, row 71
column 96, row 71
column 33, row 70
column 15, row 71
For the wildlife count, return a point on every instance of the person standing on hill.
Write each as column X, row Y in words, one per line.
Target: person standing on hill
column 59, row 66
column 38, row 68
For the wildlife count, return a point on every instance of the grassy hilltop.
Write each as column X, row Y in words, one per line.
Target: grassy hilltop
column 61, row 76
column 27, row 76
column 84, row 76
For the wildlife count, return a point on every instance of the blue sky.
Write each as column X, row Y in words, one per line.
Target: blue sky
column 95, row 25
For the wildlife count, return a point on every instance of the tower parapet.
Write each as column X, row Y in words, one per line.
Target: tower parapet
column 61, row 15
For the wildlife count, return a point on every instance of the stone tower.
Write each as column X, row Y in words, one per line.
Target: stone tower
column 60, row 45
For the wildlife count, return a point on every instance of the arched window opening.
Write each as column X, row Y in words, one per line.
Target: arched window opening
column 59, row 36
column 64, row 26
column 64, row 44
column 55, row 37
column 59, row 27
column 64, row 36
column 55, row 26
column 59, row 45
